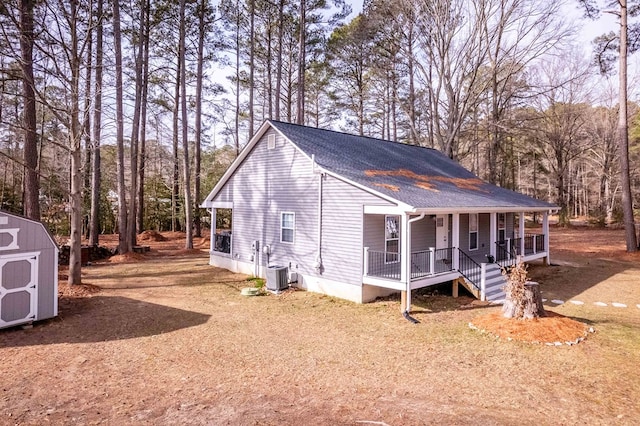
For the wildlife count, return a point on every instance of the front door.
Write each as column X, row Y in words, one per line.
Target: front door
column 442, row 231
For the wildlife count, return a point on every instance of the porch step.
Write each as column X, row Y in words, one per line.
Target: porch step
column 494, row 284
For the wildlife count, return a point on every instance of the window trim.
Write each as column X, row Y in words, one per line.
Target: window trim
column 389, row 255
column 502, row 228
column 477, row 226
column 292, row 228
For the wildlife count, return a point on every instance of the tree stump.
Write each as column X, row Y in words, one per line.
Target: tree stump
column 527, row 305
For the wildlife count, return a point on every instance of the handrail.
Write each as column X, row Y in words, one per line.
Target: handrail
column 504, row 256
column 470, row 269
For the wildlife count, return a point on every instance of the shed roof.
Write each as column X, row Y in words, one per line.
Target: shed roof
column 417, row 176
column 36, row 224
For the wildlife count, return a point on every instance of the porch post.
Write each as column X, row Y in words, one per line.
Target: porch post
column 493, row 233
column 455, row 240
column 405, row 258
column 366, row 261
column 545, row 233
column 212, row 231
column 521, row 232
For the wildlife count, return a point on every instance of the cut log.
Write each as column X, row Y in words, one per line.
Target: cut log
column 529, row 307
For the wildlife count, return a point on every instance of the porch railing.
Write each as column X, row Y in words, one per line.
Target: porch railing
column 509, row 249
column 382, row 264
column 386, row 265
column 470, row 269
column 507, row 252
column 533, row 243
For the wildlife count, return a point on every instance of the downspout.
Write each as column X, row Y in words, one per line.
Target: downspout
column 318, row 262
column 408, row 278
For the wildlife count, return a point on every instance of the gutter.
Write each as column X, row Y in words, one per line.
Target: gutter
column 408, row 298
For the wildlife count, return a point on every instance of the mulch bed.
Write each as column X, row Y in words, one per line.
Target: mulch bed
column 554, row 329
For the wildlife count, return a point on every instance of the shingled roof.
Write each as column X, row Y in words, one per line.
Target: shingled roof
column 420, row 177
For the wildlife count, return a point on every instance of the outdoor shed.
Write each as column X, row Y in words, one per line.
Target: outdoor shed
column 28, row 271
column 359, row 217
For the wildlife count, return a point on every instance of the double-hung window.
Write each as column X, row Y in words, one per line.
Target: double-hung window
column 287, row 227
column 473, row 231
column 392, row 239
column 501, row 227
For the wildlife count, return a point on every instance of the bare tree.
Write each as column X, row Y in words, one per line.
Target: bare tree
column 605, row 56
column 94, row 227
column 188, row 207
column 124, row 242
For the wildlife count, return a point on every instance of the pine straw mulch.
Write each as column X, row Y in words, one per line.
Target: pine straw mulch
column 127, row 258
column 554, row 329
column 76, row 291
column 152, row 236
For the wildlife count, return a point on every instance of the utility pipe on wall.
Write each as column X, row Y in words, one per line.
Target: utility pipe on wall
column 407, row 261
column 318, row 262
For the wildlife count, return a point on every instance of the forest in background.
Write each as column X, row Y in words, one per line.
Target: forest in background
column 121, row 116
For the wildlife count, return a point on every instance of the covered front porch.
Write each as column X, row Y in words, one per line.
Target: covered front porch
column 468, row 248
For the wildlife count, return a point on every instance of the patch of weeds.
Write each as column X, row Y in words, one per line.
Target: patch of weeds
column 257, row 282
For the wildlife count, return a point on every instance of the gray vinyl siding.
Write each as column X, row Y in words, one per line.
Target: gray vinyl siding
column 510, row 225
column 484, row 234
column 33, row 237
column 423, row 232
column 343, row 230
column 268, row 183
column 373, row 233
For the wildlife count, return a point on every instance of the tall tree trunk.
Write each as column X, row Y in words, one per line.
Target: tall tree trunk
column 252, row 65
column 135, row 130
column 302, row 62
column 237, row 115
column 86, row 132
column 279, row 59
column 75, row 140
column 623, row 135
column 124, row 245
column 202, row 32
column 175, row 193
column 143, row 120
column 188, row 208
column 31, row 178
column 94, row 228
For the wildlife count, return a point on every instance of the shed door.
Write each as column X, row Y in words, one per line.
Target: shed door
column 18, row 288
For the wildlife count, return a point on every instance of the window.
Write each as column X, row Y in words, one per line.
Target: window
column 271, row 142
column 392, row 239
column 501, row 227
column 287, row 227
column 473, row 231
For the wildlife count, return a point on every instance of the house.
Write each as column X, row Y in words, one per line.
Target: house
column 358, row 217
column 28, row 271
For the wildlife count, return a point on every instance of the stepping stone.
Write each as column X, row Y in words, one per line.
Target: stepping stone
column 544, row 300
column 599, row 303
column 577, row 302
column 557, row 302
column 619, row 305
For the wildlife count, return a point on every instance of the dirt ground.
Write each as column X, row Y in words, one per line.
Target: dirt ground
column 165, row 338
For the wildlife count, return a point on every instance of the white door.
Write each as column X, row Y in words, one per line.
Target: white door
column 442, row 231
column 442, row 235
column 18, row 288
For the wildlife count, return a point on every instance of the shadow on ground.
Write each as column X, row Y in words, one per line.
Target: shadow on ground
column 83, row 320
